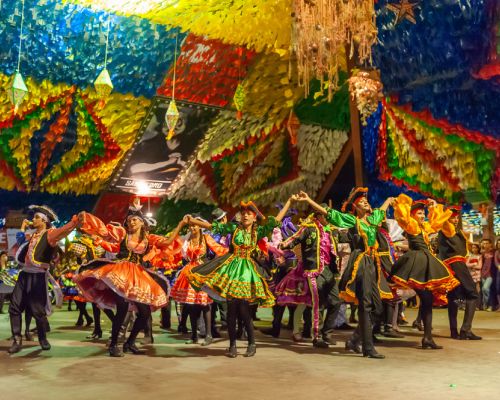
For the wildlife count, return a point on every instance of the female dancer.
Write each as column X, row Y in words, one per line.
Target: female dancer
column 237, row 277
column 452, row 246
column 418, row 268
column 195, row 249
column 302, row 286
column 115, row 284
column 360, row 282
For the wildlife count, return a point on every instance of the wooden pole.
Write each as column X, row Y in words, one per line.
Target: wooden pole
column 330, row 179
column 355, row 126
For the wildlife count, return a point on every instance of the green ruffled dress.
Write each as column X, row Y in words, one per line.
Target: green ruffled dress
column 238, row 274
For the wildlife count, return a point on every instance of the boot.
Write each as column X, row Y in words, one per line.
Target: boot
column 320, row 344
column 16, row 345
column 271, row 332
column 114, row 351
column 130, row 347
column 97, row 334
column 468, row 336
column 418, row 325
column 350, row 345
column 232, row 352
column 430, row 344
column 454, row 333
column 391, row 333
column 208, row 340
column 79, row 321
column 28, row 336
column 373, row 354
column 44, row 344
column 251, row 350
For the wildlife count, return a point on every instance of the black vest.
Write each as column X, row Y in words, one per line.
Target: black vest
column 43, row 252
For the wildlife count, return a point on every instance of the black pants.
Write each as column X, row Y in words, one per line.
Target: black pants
column 239, row 308
column 195, row 312
column 3, row 296
column 370, row 304
column 96, row 312
column 30, row 293
column 466, row 290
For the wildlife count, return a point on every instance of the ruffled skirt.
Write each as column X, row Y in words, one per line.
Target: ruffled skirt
column 183, row 292
column 100, row 282
column 293, row 288
column 230, row 277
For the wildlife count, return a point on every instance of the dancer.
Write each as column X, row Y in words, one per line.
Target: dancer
column 31, row 287
column 360, row 281
column 452, row 245
column 418, row 268
column 304, row 284
column 237, row 277
column 195, row 249
column 116, row 283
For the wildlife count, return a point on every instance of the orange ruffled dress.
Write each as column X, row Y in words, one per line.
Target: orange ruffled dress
column 102, row 280
column 419, row 268
column 182, row 291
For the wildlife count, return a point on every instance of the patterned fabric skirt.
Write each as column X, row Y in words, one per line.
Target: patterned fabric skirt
column 183, row 292
column 100, row 282
column 293, row 288
column 231, row 277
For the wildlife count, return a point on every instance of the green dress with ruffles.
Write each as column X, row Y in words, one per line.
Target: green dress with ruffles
column 238, row 274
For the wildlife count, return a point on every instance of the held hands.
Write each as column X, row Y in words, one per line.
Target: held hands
column 301, row 196
column 431, row 202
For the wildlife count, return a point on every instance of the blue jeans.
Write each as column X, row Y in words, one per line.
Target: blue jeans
column 485, row 289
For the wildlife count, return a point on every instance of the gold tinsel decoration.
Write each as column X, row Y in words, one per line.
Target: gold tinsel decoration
column 322, row 29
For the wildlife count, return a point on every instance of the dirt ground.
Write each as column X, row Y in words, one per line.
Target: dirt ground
column 76, row 368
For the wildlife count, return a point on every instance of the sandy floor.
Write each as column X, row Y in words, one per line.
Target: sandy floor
column 79, row 369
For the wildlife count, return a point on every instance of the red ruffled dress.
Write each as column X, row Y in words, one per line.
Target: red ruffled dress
column 195, row 254
column 126, row 276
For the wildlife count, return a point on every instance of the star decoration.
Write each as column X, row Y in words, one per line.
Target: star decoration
column 404, row 10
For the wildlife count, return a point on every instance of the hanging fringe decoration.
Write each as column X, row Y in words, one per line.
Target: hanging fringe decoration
column 321, row 31
column 172, row 115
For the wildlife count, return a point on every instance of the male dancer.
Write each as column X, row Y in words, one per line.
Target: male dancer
column 34, row 256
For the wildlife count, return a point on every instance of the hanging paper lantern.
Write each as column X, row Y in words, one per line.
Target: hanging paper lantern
column 239, row 100
column 292, row 127
column 171, row 117
column 103, row 86
column 17, row 91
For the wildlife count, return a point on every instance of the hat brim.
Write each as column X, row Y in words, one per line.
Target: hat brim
column 45, row 210
column 355, row 194
column 252, row 207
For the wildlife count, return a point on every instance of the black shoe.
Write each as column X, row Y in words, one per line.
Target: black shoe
column 306, row 335
column 45, row 345
column 90, row 321
column 28, row 336
column 208, row 341
column 114, row 351
column 469, row 336
column 345, row 327
column 327, row 339
column 418, row 325
column 251, row 350
column 391, row 333
column 351, row 346
column 270, row 332
column 320, row 344
column 454, row 334
column 191, row 341
column 373, row 354
column 79, row 322
column 430, row 344
column 95, row 335
column 130, row 347
column 165, row 327
column 353, row 320
column 232, row 352
column 16, row 345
